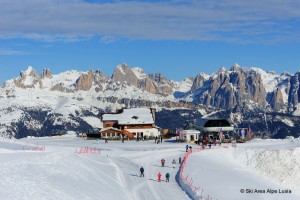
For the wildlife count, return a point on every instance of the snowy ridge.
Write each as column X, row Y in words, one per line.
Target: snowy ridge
column 276, row 159
column 73, row 95
column 139, row 72
column 271, row 166
column 67, row 78
column 183, row 86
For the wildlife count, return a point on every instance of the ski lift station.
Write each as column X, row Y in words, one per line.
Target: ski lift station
column 208, row 127
column 212, row 127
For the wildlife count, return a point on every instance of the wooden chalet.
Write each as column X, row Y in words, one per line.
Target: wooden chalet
column 130, row 123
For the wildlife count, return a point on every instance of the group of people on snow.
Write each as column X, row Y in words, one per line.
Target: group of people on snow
column 142, row 170
column 209, row 141
column 188, row 148
column 167, row 177
column 158, row 139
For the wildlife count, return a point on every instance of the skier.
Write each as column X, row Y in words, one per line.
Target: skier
column 203, row 143
column 142, row 171
column 167, row 177
column 158, row 176
column 174, row 162
column 186, row 148
column 106, row 140
column 179, row 160
column 163, row 162
column 191, row 150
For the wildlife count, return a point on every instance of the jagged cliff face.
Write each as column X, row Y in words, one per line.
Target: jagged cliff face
column 294, row 93
column 123, row 73
column 230, row 89
column 29, row 79
column 153, row 83
column 71, row 98
column 85, row 81
column 46, row 74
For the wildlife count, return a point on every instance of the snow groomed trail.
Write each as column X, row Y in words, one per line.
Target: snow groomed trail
column 71, row 168
column 148, row 187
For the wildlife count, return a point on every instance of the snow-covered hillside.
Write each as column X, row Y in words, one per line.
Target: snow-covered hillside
column 69, row 167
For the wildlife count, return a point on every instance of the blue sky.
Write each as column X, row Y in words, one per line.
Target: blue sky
column 178, row 38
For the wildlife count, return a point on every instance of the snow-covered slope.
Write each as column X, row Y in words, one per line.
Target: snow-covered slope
column 71, row 168
column 261, row 169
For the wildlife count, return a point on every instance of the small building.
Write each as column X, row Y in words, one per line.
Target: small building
column 190, row 136
column 213, row 127
column 132, row 122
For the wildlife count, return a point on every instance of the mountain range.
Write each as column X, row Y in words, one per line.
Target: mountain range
column 46, row 104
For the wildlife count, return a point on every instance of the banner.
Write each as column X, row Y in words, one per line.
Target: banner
column 249, row 133
column 243, row 133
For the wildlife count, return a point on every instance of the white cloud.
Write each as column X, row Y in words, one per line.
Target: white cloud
column 223, row 20
column 108, row 39
column 5, row 52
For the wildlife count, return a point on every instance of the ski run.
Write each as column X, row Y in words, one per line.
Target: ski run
column 71, row 168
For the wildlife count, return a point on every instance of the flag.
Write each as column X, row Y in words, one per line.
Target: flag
column 243, row 133
column 178, row 133
column 249, row 133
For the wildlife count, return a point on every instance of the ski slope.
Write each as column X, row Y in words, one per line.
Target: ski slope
column 57, row 168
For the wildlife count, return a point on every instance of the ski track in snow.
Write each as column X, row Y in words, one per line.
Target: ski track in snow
column 147, row 187
column 60, row 173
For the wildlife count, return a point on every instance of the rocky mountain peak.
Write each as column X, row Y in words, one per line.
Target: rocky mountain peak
column 30, row 71
column 124, row 73
column 46, row 74
column 139, row 72
column 198, row 81
column 85, row 81
column 235, row 67
column 28, row 79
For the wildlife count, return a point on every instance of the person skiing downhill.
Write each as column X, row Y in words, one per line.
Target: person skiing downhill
column 142, row 171
column 167, row 177
column 186, row 148
column 162, row 162
column 158, row 176
column 174, row 162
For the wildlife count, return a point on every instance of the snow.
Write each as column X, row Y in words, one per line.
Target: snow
column 131, row 116
column 121, row 68
column 67, row 78
column 222, row 172
column 29, row 80
column 111, row 171
column 278, row 160
column 184, row 86
column 28, row 70
column 297, row 111
column 139, row 72
column 93, row 121
column 288, row 122
column 269, row 79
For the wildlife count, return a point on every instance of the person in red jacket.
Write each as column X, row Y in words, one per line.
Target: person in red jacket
column 163, row 162
column 158, row 176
